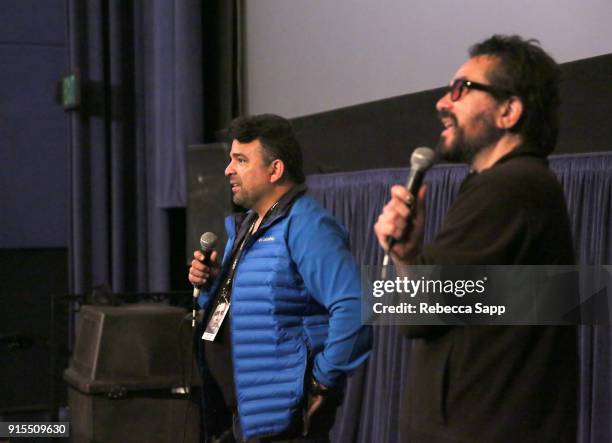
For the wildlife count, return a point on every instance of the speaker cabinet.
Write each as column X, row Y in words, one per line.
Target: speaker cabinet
column 130, row 374
column 154, row 416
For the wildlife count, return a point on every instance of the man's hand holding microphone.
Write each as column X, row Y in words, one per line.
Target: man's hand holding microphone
column 403, row 220
column 204, row 267
column 401, row 225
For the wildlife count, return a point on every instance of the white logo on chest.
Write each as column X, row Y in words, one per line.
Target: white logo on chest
column 266, row 239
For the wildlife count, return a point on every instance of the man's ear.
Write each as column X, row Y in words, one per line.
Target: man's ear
column 510, row 113
column 277, row 170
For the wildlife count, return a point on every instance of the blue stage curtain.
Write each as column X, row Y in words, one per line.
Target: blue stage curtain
column 371, row 409
column 141, row 70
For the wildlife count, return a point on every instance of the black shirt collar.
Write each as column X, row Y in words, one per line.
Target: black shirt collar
column 520, row 151
column 244, row 220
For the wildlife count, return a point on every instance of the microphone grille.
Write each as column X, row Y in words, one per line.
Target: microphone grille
column 208, row 241
column 422, row 158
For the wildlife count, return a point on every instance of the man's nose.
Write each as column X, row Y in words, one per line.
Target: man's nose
column 444, row 103
column 229, row 170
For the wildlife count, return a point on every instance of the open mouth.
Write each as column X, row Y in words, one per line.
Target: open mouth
column 448, row 124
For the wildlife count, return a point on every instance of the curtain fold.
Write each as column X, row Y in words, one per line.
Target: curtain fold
column 357, row 198
column 140, row 64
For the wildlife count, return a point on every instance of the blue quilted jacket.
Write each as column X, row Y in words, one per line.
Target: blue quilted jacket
column 295, row 298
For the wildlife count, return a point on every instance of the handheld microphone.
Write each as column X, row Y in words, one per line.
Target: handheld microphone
column 208, row 241
column 421, row 160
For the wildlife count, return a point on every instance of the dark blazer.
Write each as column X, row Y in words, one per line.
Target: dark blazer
column 497, row 383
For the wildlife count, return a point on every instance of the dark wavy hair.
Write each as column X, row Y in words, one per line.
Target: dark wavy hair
column 526, row 70
column 276, row 137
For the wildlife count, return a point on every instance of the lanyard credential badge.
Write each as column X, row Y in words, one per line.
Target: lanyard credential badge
column 216, row 319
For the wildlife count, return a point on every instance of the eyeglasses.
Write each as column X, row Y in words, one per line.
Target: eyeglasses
column 459, row 85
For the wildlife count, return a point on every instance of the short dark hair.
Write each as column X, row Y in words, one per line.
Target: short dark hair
column 526, row 70
column 276, row 137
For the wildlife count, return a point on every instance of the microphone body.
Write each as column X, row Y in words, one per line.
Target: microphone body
column 208, row 240
column 421, row 160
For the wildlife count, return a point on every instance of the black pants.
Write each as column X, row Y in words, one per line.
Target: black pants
column 320, row 426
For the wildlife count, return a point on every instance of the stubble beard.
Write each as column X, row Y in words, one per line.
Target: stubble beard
column 464, row 148
column 247, row 198
column 242, row 200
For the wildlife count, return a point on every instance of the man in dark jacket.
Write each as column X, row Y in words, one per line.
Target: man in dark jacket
column 492, row 383
column 282, row 313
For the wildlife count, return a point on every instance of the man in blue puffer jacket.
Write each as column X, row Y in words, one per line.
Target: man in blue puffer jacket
column 288, row 296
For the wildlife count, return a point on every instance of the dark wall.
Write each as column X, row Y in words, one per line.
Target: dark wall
column 33, row 129
column 29, row 278
column 383, row 133
column 586, row 94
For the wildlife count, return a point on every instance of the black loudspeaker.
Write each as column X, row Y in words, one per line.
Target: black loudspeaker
column 131, row 375
column 209, row 198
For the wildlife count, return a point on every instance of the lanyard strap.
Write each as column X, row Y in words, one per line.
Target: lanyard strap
column 225, row 292
column 227, row 284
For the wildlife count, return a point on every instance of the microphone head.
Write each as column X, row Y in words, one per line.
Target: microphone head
column 208, row 241
column 422, row 158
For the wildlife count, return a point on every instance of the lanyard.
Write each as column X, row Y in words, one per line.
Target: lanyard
column 224, row 294
column 227, row 284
